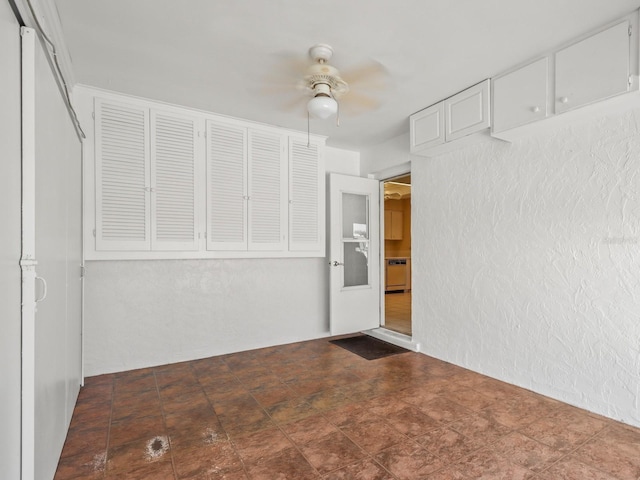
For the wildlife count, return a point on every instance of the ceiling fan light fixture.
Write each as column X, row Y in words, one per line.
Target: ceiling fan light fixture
column 322, row 107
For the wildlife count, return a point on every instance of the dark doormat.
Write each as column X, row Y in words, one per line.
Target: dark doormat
column 368, row 347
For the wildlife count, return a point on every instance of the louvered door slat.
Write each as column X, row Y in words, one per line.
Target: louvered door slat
column 226, row 187
column 305, row 195
column 267, row 191
column 173, row 197
column 122, row 175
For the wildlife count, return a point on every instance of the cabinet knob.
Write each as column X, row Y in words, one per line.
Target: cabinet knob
column 564, row 99
column 535, row 109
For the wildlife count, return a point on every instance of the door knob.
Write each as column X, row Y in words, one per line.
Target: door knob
column 336, row 263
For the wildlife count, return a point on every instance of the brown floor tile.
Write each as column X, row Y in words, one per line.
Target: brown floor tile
column 526, row 452
column 148, row 458
column 311, row 410
column 488, row 465
column 140, row 428
column 444, row 410
column 448, row 444
column 308, row 429
column 480, row 428
column 373, row 435
column 615, row 450
column 290, row 411
column 365, row 470
column 571, row 469
column 88, row 464
column 206, row 461
column 409, row 460
column 273, row 395
column 411, row 421
column 331, row 452
column 288, row 464
column 257, row 446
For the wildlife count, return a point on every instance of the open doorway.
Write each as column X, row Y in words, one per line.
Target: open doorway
column 397, row 254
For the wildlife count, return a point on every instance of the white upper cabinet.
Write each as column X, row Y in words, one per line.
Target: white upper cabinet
column 226, row 186
column 306, row 196
column 122, row 177
column 467, row 112
column 521, row 96
column 450, row 124
column 169, row 182
column 246, row 188
column 427, row 127
column 174, row 193
column 593, row 69
column 145, row 172
column 267, row 190
column 588, row 77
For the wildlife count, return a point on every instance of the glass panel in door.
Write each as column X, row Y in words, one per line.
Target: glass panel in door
column 355, row 239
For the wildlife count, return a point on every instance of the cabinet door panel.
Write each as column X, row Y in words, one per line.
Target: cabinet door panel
column 173, row 196
column 122, row 177
column 267, row 191
column 226, row 187
column 593, row 69
column 306, row 197
column 427, row 127
column 467, row 112
column 520, row 97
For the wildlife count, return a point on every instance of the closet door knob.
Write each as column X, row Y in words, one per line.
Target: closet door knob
column 564, row 99
column 535, row 109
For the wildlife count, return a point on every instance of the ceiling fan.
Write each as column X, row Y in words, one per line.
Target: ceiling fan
column 328, row 92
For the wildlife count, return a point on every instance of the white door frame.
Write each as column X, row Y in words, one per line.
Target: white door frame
column 382, row 333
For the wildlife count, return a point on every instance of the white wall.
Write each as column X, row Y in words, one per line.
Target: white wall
column 144, row 313
column 526, row 262
column 9, row 244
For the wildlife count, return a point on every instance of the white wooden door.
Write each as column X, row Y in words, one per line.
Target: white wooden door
column 52, row 252
column 593, row 69
column 354, row 254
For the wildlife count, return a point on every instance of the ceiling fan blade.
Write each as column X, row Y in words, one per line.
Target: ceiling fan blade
column 297, row 103
column 372, row 75
column 354, row 103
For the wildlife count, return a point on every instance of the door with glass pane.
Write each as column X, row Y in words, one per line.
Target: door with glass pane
column 354, row 254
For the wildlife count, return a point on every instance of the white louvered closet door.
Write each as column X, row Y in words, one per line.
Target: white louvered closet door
column 173, row 182
column 306, row 196
column 122, row 177
column 226, row 186
column 267, row 191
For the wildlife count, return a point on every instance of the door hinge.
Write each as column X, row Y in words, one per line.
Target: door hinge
column 93, row 115
column 83, row 271
column 630, row 28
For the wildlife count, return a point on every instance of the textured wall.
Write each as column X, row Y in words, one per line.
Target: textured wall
column 141, row 313
column 526, row 262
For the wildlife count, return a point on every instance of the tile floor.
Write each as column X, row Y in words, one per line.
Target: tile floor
column 397, row 312
column 312, row 410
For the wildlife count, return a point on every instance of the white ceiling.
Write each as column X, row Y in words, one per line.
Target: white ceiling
column 217, row 54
